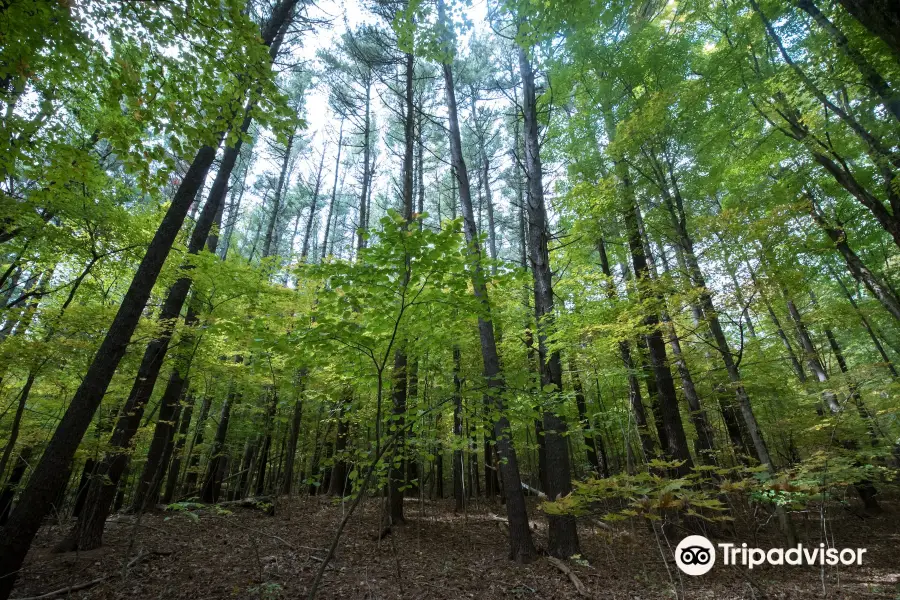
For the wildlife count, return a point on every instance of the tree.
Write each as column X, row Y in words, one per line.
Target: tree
column 48, row 478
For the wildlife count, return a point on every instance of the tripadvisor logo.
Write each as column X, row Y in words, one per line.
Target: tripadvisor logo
column 695, row 555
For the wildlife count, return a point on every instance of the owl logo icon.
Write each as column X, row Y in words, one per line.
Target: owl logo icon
column 695, row 555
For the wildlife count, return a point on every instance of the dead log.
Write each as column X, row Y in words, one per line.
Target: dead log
column 263, row 503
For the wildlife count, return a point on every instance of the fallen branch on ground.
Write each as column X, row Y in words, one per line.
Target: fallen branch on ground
column 531, row 524
column 263, row 503
column 579, row 587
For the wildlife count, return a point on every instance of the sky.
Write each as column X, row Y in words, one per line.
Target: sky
column 322, row 123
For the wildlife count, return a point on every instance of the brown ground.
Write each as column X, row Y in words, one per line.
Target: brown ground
column 436, row 555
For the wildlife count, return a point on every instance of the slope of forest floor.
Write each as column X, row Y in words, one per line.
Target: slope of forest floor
column 437, row 554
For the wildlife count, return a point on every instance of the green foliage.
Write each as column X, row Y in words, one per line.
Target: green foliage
column 650, row 496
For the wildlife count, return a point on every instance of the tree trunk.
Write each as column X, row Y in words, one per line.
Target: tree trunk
column 293, row 436
column 880, row 17
column 212, row 486
column 563, row 538
column 675, row 445
column 248, row 460
column 276, row 203
column 705, row 444
column 16, row 537
column 420, row 163
column 410, row 462
column 334, row 189
column 193, row 471
column 596, row 455
column 17, row 421
column 175, row 467
column 339, row 486
column 776, row 322
column 399, row 393
column 634, row 387
column 15, row 478
column 398, row 421
column 874, row 81
column 865, row 321
column 538, row 423
column 474, row 479
column 486, row 182
column 366, row 181
column 459, row 492
column 856, row 267
column 521, row 544
column 150, row 479
column 84, row 484
column 234, row 205
column 263, row 462
column 829, row 399
column 312, row 208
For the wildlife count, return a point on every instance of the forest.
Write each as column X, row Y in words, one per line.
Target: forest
column 449, row 298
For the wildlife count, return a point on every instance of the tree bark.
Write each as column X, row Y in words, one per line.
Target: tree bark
column 880, row 17
column 293, row 436
column 339, row 486
column 193, row 473
column 889, row 98
column 829, row 399
column 212, row 485
column 675, row 444
column 150, row 480
column 334, row 189
column 245, row 478
column 175, row 468
column 366, row 180
column 521, row 544
column 563, row 538
column 263, row 463
column 304, row 252
column 865, row 321
column 596, row 454
column 459, row 492
column 398, row 421
column 15, row 478
column 856, row 267
column 276, row 203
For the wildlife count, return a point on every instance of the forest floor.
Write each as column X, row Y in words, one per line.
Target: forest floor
column 437, row 554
